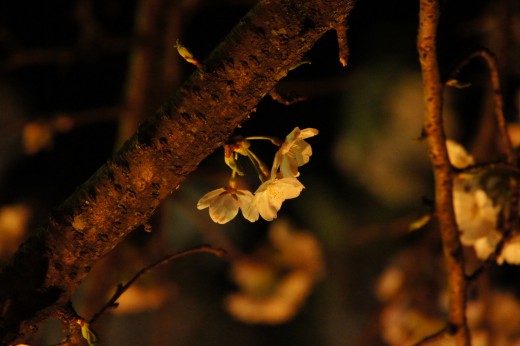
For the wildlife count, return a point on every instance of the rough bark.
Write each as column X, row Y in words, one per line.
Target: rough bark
column 124, row 192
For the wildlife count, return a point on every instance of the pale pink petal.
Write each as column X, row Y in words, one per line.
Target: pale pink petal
column 271, row 194
column 265, row 207
column 290, row 187
column 223, row 209
column 208, row 198
column 294, row 152
column 308, row 132
column 244, row 202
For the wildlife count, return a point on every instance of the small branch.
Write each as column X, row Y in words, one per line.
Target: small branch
column 122, row 288
column 344, row 51
column 432, row 337
column 280, row 99
column 434, row 130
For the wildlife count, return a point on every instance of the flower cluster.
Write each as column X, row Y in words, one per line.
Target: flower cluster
column 477, row 214
column 278, row 184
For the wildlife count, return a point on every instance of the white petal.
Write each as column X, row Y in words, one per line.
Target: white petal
column 302, row 152
column 244, row 198
column 244, row 202
column 288, row 166
column 208, row 198
column 308, row 132
column 511, row 252
column 458, row 156
column 223, row 209
column 250, row 213
column 485, row 246
column 290, row 186
column 265, row 207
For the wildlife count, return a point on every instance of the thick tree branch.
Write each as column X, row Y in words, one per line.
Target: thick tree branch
column 124, row 193
column 434, row 128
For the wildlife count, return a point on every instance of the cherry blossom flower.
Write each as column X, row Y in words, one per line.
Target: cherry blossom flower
column 511, row 251
column 224, row 203
column 474, row 211
column 294, row 152
column 275, row 282
column 269, row 197
column 485, row 246
column 458, row 155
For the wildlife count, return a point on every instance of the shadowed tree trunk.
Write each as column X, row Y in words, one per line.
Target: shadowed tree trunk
column 123, row 194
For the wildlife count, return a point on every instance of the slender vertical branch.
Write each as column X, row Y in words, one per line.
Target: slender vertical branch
column 433, row 88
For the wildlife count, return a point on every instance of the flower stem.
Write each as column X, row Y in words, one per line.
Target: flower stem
column 260, row 167
column 274, row 140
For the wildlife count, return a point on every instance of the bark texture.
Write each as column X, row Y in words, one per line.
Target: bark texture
column 443, row 174
column 124, row 193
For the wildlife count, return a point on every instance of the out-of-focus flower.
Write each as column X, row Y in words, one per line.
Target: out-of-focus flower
column 486, row 245
column 294, row 152
column 514, row 133
column 37, row 136
column 138, row 299
column 224, row 203
column 13, row 225
column 390, row 283
column 458, row 155
column 511, row 251
column 401, row 324
column 275, row 283
column 269, row 197
column 504, row 314
column 474, row 210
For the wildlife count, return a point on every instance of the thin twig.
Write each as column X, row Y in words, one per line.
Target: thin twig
column 167, row 259
column 344, row 51
column 489, row 166
column 434, row 130
column 433, row 337
column 282, row 100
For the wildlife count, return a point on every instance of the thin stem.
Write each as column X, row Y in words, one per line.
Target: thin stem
column 167, row 259
column 274, row 140
column 433, row 337
column 434, row 130
column 233, row 180
column 260, row 167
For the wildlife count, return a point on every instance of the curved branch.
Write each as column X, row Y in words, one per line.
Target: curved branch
column 123, row 194
column 165, row 260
